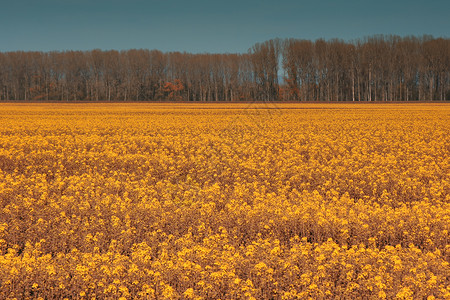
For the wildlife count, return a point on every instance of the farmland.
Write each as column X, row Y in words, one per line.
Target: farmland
column 229, row 201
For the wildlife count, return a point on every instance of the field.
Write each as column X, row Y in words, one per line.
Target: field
column 224, row 201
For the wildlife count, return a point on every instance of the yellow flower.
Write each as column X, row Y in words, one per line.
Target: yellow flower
column 149, row 193
column 189, row 293
column 405, row 293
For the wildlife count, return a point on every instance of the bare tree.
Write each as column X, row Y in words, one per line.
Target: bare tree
column 381, row 68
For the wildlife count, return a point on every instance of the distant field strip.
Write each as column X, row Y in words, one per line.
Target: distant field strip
column 224, row 201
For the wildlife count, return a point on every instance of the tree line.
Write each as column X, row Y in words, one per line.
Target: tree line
column 376, row 68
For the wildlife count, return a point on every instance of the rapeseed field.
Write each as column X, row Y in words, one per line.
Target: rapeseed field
column 224, row 201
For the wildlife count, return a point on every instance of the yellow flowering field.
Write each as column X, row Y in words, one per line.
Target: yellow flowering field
column 224, row 201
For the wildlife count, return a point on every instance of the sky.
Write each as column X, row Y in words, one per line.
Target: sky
column 207, row 26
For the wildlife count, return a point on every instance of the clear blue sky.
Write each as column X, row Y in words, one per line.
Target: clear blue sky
column 207, row 25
